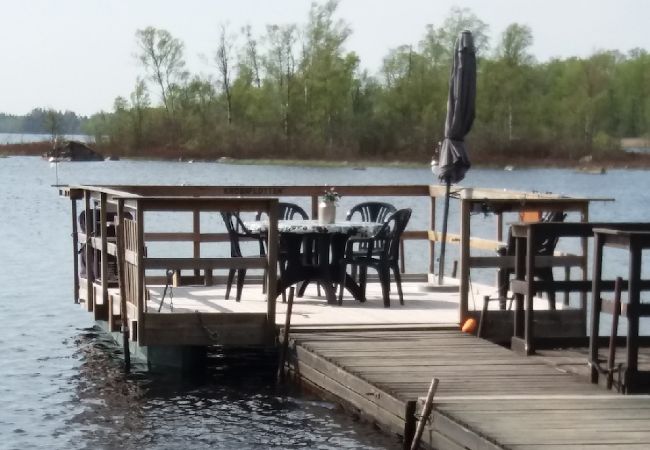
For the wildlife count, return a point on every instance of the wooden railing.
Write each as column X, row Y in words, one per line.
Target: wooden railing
column 313, row 193
column 635, row 239
column 195, row 198
column 525, row 286
column 131, row 279
column 499, row 202
column 138, row 263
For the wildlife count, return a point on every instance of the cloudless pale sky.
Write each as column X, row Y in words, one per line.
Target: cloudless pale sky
column 79, row 54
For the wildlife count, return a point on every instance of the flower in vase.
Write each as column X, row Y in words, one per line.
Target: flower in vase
column 331, row 196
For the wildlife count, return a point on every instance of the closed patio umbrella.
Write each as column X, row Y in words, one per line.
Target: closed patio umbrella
column 454, row 161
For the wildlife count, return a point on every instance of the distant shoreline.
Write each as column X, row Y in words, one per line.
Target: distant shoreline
column 622, row 161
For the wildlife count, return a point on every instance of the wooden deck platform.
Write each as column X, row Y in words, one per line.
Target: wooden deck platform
column 488, row 396
column 192, row 309
column 420, row 306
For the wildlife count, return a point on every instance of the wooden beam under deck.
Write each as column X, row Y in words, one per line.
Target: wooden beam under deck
column 203, row 329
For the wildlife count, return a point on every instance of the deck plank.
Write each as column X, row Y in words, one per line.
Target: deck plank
column 488, row 396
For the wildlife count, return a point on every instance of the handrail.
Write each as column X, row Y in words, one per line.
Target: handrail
column 195, row 199
column 133, row 254
column 525, row 286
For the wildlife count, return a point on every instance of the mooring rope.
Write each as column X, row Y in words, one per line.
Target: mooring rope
column 212, row 335
column 169, row 274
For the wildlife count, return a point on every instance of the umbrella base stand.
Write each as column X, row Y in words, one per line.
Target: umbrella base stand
column 448, row 285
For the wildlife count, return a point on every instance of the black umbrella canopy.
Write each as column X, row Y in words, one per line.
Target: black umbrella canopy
column 461, row 104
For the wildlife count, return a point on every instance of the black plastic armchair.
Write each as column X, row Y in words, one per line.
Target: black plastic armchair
column 371, row 211
column 381, row 252
column 287, row 211
column 237, row 231
column 543, row 247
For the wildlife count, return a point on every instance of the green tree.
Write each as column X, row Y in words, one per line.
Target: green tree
column 140, row 103
column 512, row 62
column 223, row 58
column 458, row 20
column 162, row 56
column 280, row 66
column 52, row 123
column 328, row 74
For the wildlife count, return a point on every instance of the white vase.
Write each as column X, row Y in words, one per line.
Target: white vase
column 326, row 212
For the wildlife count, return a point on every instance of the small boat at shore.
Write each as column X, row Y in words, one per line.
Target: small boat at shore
column 72, row 151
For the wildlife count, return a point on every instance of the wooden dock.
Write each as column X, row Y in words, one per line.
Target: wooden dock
column 170, row 306
column 488, row 396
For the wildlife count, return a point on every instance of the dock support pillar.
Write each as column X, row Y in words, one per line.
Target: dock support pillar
column 410, row 423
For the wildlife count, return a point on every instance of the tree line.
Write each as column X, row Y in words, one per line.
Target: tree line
column 43, row 121
column 295, row 91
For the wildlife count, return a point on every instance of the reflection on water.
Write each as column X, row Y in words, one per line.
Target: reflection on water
column 228, row 408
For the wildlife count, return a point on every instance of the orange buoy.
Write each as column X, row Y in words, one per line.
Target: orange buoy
column 469, row 326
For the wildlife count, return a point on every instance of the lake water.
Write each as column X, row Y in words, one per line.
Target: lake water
column 61, row 384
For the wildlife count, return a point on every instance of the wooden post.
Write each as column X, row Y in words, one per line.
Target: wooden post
column 124, row 320
column 611, row 355
column 484, row 313
column 584, row 244
column 499, row 226
column 464, row 259
column 285, row 335
column 410, row 423
column 499, row 236
column 90, row 265
column 141, row 298
column 272, row 261
column 208, row 280
column 75, row 251
column 520, row 271
column 196, row 238
column 596, row 306
column 314, row 206
column 432, row 243
column 634, row 301
column 530, row 292
column 567, row 277
column 103, row 217
column 426, row 412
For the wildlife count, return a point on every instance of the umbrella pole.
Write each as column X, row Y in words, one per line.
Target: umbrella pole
column 443, row 243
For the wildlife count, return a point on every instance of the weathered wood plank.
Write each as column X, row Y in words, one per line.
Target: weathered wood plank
column 488, row 395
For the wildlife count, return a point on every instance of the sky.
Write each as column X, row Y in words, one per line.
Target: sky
column 78, row 55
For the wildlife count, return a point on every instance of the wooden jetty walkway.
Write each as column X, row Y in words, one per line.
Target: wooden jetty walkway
column 488, row 396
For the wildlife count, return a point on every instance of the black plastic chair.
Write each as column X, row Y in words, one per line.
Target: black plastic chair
column 371, row 211
column 543, row 247
column 387, row 239
column 237, row 231
column 287, row 211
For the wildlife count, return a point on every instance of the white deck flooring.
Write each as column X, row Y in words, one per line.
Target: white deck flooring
column 420, row 306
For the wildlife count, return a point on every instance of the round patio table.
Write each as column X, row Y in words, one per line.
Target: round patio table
column 312, row 251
